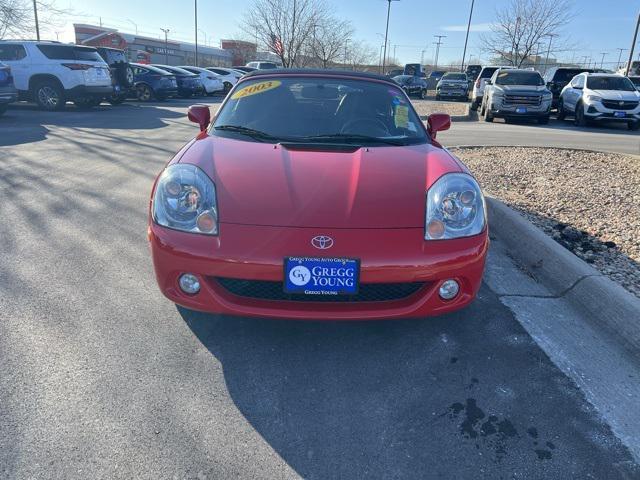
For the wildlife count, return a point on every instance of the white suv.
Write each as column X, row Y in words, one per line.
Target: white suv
column 478, row 87
column 599, row 97
column 50, row 73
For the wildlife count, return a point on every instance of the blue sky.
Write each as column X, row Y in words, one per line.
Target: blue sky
column 598, row 25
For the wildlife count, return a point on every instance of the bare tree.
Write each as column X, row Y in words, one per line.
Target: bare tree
column 361, row 54
column 17, row 17
column 522, row 24
column 284, row 26
column 330, row 40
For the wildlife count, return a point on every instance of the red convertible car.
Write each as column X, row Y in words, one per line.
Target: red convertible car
column 317, row 195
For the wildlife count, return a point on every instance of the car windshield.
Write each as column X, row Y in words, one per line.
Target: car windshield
column 514, row 77
column 610, row 83
column 320, row 110
column 455, row 76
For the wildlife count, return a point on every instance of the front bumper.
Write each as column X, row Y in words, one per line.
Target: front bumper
column 521, row 111
column 597, row 112
column 257, row 253
column 453, row 93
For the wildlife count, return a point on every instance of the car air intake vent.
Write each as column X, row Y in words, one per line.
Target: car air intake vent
column 522, row 99
column 368, row 292
column 620, row 104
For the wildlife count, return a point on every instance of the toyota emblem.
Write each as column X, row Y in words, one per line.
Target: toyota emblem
column 322, row 242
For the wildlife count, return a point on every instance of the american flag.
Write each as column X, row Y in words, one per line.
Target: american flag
column 277, row 45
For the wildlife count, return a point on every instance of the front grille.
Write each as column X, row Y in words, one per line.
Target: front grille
column 522, row 100
column 615, row 104
column 368, row 292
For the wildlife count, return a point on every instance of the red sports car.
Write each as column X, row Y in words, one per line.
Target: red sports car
column 317, row 195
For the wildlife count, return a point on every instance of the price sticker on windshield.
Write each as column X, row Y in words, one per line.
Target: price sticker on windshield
column 401, row 116
column 255, row 89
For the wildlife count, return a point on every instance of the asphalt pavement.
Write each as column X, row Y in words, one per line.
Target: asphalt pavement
column 102, row 377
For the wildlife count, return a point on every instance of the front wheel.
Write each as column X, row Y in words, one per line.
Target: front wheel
column 561, row 112
column 49, row 95
column 580, row 120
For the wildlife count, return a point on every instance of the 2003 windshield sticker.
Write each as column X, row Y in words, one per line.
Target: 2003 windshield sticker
column 256, row 88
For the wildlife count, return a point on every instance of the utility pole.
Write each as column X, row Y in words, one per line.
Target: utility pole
column 386, row 34
column 466, row 39
column 437, row 44
column 422, row 57
column 380, row 63
column 546, row 62
column 195, row 9
column 584, row 61
column 602, row 61
column 620, row 50
column 166, row 46
column 394, row 52
column 35, row 14
column 633, row 44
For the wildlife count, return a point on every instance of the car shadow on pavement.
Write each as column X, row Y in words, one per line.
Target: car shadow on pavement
column 445, row 397
column 24, row 123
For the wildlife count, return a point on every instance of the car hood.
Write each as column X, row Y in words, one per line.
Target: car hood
column 371, row 187
column 617, row 95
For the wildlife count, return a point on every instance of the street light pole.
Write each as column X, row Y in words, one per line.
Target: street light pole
column 166, row 46
column 386, row 34
column 195, row 9
column 633, row 44
column 546, row 62
column 466, row 39
column 438, row 43
column 35, row 14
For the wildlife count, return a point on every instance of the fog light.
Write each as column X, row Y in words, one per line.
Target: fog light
column 449, row 289
column 189, row 283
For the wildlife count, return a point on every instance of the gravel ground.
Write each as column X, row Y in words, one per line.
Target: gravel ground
column 427, row 107
column 587, row 201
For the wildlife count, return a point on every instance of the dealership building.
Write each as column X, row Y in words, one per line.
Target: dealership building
column 143, row 49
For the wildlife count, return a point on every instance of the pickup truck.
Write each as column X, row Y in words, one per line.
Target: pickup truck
column 516, row 93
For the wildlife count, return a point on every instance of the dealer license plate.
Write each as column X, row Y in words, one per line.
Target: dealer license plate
column 321, row 276
column 521, row 110
column 619, row 114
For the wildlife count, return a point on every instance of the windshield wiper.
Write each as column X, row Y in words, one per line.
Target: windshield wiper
column 352, row 137
column 249, row 132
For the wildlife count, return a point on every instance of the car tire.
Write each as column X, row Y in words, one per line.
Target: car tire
column 561, row 113
column 630, row 125
column 579, row 120
column 49, row 95
column 144, row 93
column 543, row 120
column 3, row 108
column 423, row 94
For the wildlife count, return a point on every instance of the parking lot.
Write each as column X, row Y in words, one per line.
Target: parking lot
column 101, row 372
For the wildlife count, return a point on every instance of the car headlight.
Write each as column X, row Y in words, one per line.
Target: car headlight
column 455, row 208
column 594, row 98
column 185, row 199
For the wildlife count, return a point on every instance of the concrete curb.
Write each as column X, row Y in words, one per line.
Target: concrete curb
column 597, row 298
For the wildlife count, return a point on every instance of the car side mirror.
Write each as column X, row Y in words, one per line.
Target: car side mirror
column 201, row 115
column 438, row 122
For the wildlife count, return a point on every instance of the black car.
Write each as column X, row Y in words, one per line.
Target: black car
column 453, row 85
column 189, row 84
column 121, row 73
column 412, row 85
column 558, row 77
column 472, row 72
column 151, row 82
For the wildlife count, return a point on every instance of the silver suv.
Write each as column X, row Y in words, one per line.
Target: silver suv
column 600, row 97
column 516, row 93
column 50, row 73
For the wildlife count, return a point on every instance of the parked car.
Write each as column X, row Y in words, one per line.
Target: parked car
column 228, row 77
column 210, row 81
column 478, row 87
column 263, row 65
column 472, row 72
column 453, row 85
column 260, row 228
column 413, row 86
column 153, row 83
column 596, row 97
column 433, row 78
column 636, row 81
column 557, row 78
column 516, row 93
column 243, row 68
column 50, row 73
column 8, row 92
column 121, row 73
column 189, row 84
